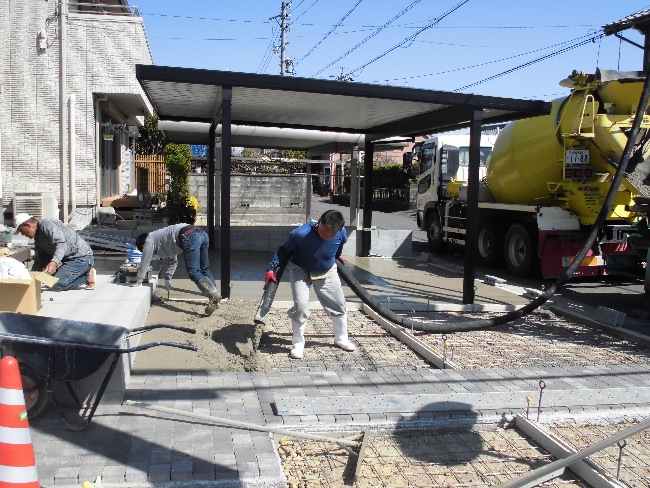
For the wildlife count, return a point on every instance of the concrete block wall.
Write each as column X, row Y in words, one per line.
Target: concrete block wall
column 260, row 199
column 199, row 189
column 102, row 51
column 387, row 243
column 267, row 238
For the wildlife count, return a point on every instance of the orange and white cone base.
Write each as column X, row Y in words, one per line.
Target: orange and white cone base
column 17, row 461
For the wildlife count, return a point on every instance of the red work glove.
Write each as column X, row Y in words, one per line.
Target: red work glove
column 340, row 258
column 270, row 276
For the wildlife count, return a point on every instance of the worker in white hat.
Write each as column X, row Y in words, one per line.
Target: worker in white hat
column 58, row 251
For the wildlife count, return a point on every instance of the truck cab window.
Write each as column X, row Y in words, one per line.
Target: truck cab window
column 463, row 156
column 426, row 159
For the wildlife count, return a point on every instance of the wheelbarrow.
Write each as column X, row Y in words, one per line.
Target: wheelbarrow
column 49, row 349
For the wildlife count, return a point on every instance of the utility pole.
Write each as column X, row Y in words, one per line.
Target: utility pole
column 286, row 65
column 342, row 76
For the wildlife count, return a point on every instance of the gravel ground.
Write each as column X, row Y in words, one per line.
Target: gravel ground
column 229, row 340
column 562, row 342
column 467, row 458
column 536, row 340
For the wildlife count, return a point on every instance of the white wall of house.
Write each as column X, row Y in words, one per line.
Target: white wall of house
column 102, row 51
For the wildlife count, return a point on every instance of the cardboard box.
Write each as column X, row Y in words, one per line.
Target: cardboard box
column 24, row 296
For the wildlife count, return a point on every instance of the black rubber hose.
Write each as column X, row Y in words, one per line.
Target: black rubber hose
column 437, row 328
column 269, row 293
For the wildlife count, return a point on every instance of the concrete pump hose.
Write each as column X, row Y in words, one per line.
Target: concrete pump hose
column 438, row 328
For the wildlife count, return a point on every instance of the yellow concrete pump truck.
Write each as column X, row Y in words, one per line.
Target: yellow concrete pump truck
column 546, row 180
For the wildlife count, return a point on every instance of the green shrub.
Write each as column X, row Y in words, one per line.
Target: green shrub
column 390, row 176
column 178, row 162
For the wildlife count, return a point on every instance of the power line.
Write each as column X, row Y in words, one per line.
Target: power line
column 409, row 25
column 264, row 63
column 412, row 37
column 529, row 63
column 413, row 4
column 189, row 17
column 553, row 46
column 306, row 10
column 331, row 30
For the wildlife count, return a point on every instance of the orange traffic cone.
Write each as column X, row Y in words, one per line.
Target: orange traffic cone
column 17, row 461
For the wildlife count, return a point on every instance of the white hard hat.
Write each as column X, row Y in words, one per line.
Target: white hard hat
column 20, row 219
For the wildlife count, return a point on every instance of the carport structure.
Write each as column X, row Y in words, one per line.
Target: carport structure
column 378, row 112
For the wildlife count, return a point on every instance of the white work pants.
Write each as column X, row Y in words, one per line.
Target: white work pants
column 330, row 295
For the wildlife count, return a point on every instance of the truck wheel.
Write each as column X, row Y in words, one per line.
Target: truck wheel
column 489, row 246
column 518, row 250
column 434, row 233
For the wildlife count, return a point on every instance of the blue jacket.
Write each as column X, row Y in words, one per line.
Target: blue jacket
column 308, row 250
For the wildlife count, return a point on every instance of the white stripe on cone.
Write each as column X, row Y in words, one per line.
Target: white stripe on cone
column 17, row 435
column 10, row 474
column 12, row 397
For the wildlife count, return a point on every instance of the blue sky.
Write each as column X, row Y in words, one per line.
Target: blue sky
column 465, row 43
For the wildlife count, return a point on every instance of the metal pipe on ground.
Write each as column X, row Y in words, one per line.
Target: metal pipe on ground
column 246, row 425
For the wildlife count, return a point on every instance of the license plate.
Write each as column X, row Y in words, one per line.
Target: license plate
column 577, row 156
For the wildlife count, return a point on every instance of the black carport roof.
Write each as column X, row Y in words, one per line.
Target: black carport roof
column 185, row 94
column 376, row 112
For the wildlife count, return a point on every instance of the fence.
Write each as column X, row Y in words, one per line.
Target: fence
column 150, row 174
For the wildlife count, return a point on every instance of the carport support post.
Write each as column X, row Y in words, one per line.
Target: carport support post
column 226, row 142
column 354, row 187
column 472, row 206
column 367, row 199
column 210, row 196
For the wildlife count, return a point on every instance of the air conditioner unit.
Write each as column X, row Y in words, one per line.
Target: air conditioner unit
column 39, row 204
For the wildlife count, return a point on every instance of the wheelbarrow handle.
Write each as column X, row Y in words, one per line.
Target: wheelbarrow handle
column 143, row 347
column 145, row 328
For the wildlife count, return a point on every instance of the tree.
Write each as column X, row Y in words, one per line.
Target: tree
column 151, row 141
column 289, row 154
column 250, row 153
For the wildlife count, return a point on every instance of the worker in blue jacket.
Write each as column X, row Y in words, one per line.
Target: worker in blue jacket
column 311, row 251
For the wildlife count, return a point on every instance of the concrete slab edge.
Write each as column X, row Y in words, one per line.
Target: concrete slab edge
column 481, row 419
column 265, row 482
column 315, row 305
column 416, row 306
column 440, row 361
column 584, row 319
column 449, row 307
column 440, row 263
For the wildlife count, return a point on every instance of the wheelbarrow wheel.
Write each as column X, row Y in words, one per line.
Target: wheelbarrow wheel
column 36, row 397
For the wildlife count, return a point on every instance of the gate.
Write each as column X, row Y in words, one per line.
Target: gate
column 150, row 174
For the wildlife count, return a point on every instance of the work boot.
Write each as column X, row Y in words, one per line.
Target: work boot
column 210, row 291
column 297, row 339
column 340, row 327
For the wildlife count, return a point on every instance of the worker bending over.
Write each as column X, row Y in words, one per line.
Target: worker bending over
column 58, row 251
column 168, row 243
column 313, row 249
